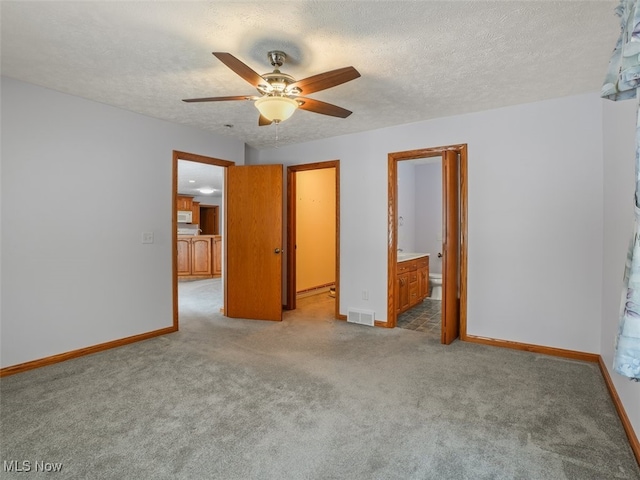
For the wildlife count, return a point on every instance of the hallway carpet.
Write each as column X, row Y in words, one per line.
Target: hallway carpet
column 311, row 398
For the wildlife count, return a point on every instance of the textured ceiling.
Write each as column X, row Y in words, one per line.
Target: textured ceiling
column 418, row 59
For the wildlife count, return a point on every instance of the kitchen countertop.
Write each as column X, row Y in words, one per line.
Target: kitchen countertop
column 198, row 235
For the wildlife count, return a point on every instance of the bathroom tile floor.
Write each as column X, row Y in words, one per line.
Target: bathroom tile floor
column 424, row 317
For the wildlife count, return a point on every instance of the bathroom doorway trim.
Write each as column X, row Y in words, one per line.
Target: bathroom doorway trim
column 291, row 231
column 392, row 225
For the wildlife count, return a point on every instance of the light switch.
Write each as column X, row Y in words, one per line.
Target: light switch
column 147, row 237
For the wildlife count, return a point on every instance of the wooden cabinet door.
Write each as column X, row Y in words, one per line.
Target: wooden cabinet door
column 201, row 256
column 184, row 256
column 195, row 212
column 217, row 255
column 402, row 291
column 183, row 203
column 423, row 283
column 413, row 292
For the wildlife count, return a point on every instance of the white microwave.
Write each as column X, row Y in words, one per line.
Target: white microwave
column 185, row 216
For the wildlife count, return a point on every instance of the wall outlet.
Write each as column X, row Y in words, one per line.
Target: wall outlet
column 365, row 294
column 147, row 237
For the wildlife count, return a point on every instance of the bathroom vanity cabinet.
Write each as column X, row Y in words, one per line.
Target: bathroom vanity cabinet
column 412, row 283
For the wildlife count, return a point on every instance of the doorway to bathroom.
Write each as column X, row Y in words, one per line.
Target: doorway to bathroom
column 427, row 257
column 313, row 235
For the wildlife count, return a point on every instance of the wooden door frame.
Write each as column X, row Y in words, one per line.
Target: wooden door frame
column 191, row 157
column 392, row 207
column 291, row 230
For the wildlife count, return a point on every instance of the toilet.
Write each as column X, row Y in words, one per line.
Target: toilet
column 435, row 280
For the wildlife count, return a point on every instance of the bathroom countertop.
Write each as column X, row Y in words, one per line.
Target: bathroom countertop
column 406, row 256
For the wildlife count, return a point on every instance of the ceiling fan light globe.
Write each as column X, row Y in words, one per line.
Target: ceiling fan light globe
column 276, row 109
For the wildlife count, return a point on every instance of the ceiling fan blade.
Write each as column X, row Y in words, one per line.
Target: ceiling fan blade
column 219, row 99
column 241, row 69
column 325, row 80
column 263, row 121
column 324, row 108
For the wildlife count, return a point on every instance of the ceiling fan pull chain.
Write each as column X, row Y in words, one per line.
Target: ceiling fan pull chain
column 277, row 123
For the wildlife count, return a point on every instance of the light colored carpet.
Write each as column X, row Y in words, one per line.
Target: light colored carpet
column 312, row 398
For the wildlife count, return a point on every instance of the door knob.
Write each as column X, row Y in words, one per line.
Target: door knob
column 277, row 250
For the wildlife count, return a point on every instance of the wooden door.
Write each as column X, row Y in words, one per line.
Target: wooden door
column 209, row 220
column 254, row 242
column 201, row 256
column 450, row 247
column 184, row 256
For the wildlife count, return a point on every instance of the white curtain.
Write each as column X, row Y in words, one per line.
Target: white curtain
column 621, row 83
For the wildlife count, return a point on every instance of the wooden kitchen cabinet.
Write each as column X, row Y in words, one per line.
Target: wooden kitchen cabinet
column 184, row 203
column 195, row 213
column 194, row 256
column 184, row 256
column 217, row 255
column 199, row 256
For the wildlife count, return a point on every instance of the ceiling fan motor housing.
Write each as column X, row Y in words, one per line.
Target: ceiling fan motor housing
column 277, row 58
column 277, row 83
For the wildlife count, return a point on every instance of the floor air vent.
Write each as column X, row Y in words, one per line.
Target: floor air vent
column 363, row 317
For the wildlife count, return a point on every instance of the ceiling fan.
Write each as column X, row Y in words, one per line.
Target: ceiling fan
column 280, row 93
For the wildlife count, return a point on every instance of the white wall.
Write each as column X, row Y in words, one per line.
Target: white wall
column 65, row 288
column 619, row 121
column 428, row 180
column 420, row 209
column 535, row 216
column 315, row 228
column 406, row 193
